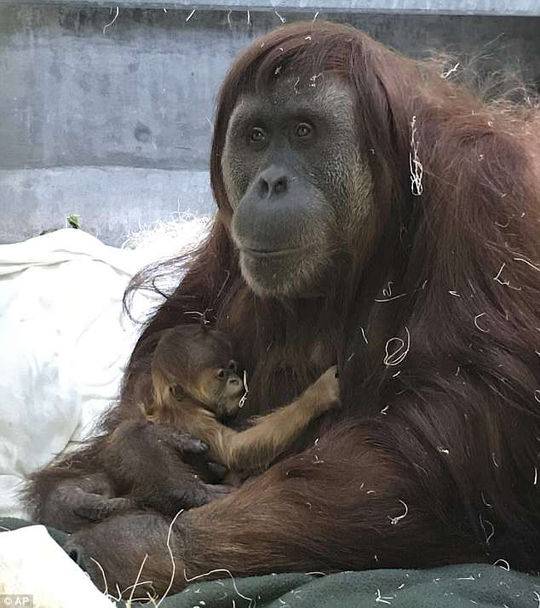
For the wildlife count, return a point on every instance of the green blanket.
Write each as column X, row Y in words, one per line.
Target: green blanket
column 466, row 585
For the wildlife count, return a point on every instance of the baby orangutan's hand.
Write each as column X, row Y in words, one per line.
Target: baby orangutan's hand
column 183, row 442
column 325, row 390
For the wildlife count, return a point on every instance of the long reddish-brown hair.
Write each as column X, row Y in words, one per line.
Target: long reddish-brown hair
column 453, row 281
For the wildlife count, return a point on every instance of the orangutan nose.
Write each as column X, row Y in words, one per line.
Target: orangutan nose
column 272, row 182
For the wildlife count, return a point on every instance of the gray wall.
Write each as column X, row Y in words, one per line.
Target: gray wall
column 114, row 123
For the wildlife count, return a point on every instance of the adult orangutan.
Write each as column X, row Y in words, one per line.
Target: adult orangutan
column 371, row 213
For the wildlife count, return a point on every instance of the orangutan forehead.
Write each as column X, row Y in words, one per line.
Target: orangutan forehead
column 298, row 95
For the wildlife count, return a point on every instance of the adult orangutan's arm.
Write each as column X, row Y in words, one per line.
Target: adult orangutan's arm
column 345, row 503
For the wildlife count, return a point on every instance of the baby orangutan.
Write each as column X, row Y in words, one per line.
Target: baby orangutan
column 196, row 385
column 192, row 386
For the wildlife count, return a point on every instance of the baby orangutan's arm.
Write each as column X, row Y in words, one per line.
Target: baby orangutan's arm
column 256, row 448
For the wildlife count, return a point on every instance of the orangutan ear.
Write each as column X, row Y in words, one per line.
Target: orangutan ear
column 178, row 392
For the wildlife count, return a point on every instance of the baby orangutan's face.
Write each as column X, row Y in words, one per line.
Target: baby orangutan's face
column 221, row 389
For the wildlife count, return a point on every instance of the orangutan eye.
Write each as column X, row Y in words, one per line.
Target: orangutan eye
column 303, row 130
column 257, row 135
column 221, row 374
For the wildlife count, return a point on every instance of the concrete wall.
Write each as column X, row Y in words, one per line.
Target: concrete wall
column 114, row 123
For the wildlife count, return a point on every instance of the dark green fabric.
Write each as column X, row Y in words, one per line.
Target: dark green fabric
column 466, row 585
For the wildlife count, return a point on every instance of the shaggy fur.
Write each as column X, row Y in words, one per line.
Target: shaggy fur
column 434, row 457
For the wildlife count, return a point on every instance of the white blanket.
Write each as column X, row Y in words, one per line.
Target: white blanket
column 39, row 574
column 64, row 340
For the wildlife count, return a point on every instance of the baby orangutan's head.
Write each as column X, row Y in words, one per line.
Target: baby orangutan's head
column 196, row 362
